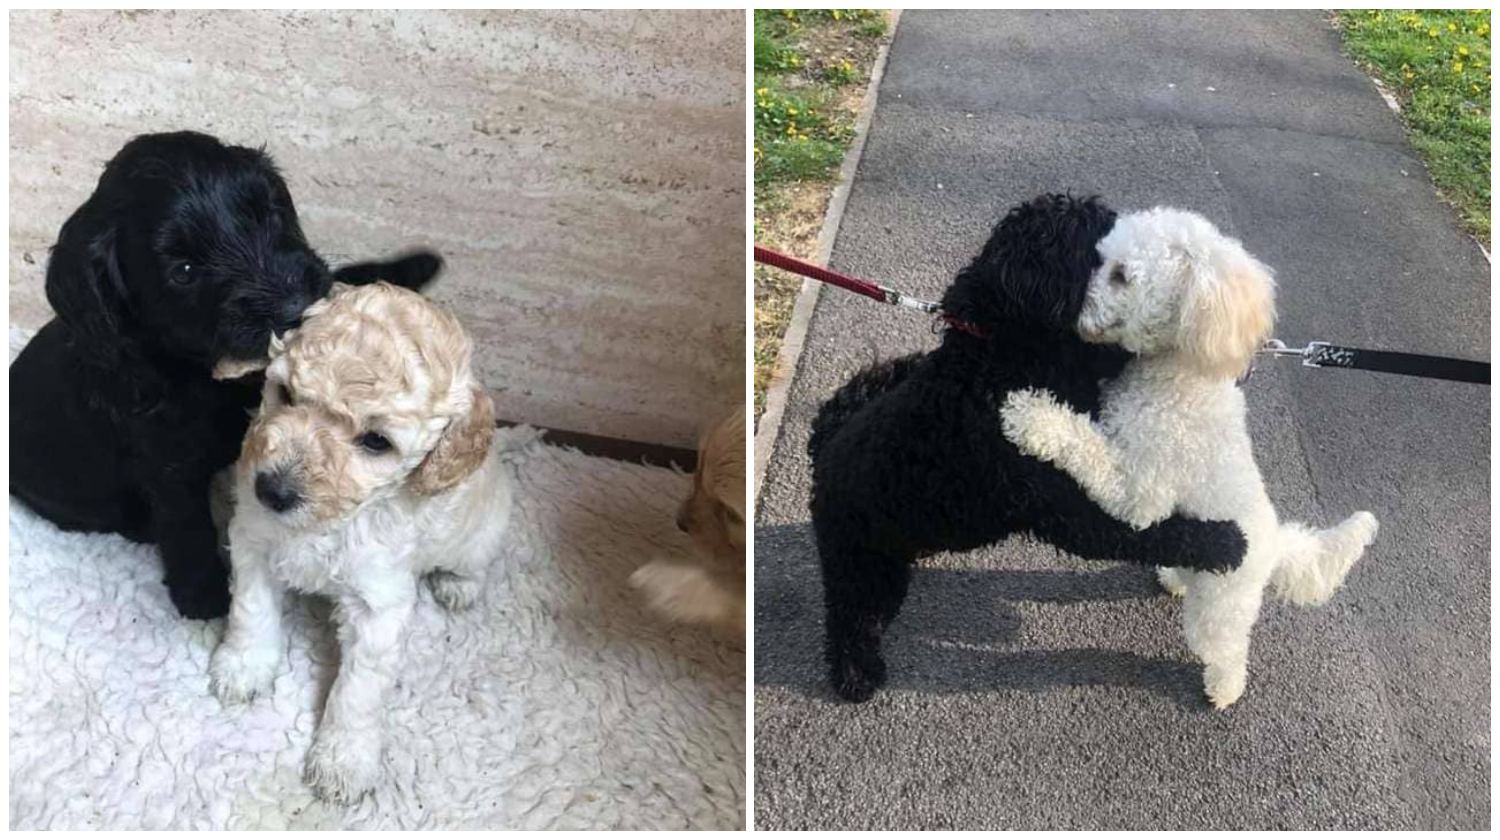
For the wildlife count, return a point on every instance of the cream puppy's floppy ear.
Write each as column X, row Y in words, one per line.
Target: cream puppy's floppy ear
column 1229, row 309
column 460, row 451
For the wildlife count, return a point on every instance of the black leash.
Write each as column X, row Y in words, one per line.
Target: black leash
column 1321, row 354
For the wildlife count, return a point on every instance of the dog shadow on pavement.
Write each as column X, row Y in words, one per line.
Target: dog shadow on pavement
column 958, row 631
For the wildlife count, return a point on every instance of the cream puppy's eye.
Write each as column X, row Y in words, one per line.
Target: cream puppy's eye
column 373, row 443
column 284, row 394
column 1118, row 277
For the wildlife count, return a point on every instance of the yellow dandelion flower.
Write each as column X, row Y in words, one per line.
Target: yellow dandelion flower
column 1432, row 33
column 1452, row 27
column 1458, row 67
column 761, row 91
column 792, row 111
column 1463, row 51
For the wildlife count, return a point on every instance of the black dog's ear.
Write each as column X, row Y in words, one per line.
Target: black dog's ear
column 412, row 271
column 86, row 287
column 1035, row 267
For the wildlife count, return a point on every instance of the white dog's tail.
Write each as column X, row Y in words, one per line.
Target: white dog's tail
column 1313, row 563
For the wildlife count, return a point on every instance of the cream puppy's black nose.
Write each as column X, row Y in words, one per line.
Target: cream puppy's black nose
column 276, row 491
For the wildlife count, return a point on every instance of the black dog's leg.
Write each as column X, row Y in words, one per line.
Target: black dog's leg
column 1177, row 541
column 862, row 593
column 196, row 578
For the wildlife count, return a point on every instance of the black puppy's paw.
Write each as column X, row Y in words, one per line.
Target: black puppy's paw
column 1227, row 551
column 855, row 679
column 201, row 598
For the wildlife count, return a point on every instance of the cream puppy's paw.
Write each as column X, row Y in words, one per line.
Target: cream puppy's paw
column 344, row 765
column 237, row 675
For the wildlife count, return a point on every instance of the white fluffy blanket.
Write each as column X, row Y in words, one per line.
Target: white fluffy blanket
column 556, row 703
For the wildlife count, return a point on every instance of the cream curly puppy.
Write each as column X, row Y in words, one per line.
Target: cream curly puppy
column 1171, row 436
column 368, row 467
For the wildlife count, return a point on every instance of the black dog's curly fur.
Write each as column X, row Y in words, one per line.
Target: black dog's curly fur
column 188, row 253
column 909, row 459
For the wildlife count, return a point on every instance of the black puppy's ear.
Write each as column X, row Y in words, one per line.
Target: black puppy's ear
column 412, row 271
column 86, row 286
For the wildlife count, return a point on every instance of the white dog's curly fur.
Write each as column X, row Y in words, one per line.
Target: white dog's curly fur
column 1171, row 436
column 368, row 466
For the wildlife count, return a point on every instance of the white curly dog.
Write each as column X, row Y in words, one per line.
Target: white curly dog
column 368, row 468
column 1171, row 435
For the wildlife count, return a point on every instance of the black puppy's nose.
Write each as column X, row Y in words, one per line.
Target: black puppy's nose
column 276, row 491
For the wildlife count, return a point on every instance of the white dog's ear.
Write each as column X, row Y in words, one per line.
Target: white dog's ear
column 1229, row 310
column 460, row 451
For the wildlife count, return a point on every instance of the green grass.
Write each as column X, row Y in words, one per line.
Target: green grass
column 1437, row 63
column 808, row 64
column 800, row 132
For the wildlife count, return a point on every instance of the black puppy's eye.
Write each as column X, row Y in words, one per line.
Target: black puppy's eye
column 182, row 273
column 285, row 394
column 1118, row 276
column 374, row 443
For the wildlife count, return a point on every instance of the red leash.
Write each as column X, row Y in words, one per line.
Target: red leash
column 860, row 287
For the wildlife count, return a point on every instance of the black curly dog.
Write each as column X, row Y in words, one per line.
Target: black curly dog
column 187, row 254
column 908, row 456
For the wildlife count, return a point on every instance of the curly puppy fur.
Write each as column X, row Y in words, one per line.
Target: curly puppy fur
column 712, row 591
column 368, row 468
column 1171, row 437
column 908, row 458
column 187, row 258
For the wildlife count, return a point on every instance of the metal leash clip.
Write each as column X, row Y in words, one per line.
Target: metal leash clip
column 1275, row 347
column 1310, row 355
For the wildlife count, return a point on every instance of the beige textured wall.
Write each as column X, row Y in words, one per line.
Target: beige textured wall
column 583, row 173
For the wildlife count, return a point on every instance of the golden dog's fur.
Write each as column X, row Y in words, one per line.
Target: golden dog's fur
column 712, row 591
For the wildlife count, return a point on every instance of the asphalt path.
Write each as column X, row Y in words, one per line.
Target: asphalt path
column 1035, row 690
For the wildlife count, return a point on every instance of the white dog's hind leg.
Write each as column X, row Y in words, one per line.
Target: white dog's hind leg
column 344, row 762
column 1218, row 614
column 1313, row 564
column 1173, row 580
column 246, row 661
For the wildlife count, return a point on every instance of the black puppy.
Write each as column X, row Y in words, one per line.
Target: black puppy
column 187, row 258
column 909, row 459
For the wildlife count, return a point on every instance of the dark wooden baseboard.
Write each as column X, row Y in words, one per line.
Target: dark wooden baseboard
column 617, row 449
